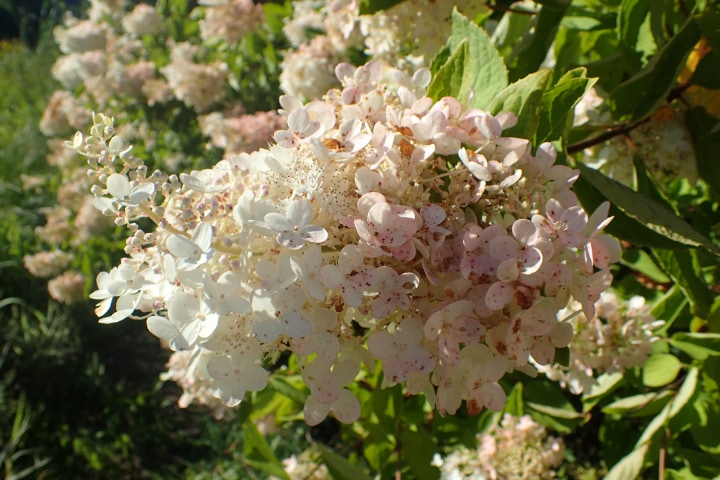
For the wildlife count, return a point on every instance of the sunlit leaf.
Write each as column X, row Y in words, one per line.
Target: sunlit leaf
column 524, row 98
column 660, row 370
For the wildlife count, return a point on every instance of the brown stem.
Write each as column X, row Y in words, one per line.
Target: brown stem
column 603, row 137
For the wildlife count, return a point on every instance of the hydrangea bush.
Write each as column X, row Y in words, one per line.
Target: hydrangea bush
column 425, row 234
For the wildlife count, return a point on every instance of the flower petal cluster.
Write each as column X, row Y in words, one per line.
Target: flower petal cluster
column 517, row 447
column 619, row 336
column 384, row 230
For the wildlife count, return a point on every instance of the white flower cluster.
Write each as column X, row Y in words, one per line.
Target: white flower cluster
column 516, row 448
column 662, row 141
column 304, row 466
column 382, row 228
column 618, row 337
column 407, row 35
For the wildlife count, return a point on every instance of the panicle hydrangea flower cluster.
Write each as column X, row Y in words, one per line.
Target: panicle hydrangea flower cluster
column 517, row 448
column 382, row 229
column 662, row 141
column 407, row 35
column 618, row 337
column 304, row 466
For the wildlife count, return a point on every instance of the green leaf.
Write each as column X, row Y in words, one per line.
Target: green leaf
column 683, row 266
column 645, row 183
column 558, row 104
column 629, row 466
column 703, row 129
column 631, row 17
column 514, row 405
column 709, row 23
column 606, row 384
column 418, row 449
column 638, row 218
column 660, row 370
column 643, row 93
column 701, row 464
column 640, row 405
column 698, row 345
column 378, row 450
column 258, row 453
column 543, row 33
column 371, row 6
column 454, row 78
column 484, row 64
column 524, row 98
column 291, row 388
column 681, row 399
column 641, row 262
column 547, row 404
column 567, row 413
column 705, row 433
column 684, row 474
column 340, row 468
column 670, row 306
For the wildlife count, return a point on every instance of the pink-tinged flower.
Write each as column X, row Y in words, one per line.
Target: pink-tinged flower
column 432, row 128
column 402, row 352
column 566, row 225
column 294, row 229
column 385, row 228
column 234, row 376
column 393, row 291
column 481, row 379
column 301, row 126
column 477, row 258
column 351, row 276
column 433, row 215
column 308, row 271
column 328, row 393
column 281, row 314
column 601, row 250
column 451, row 326
column 352, row 136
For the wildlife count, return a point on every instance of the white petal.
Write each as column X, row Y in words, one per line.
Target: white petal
column 182, row 307
column 161, row 327
column 278, row 222
column 202, row 236
column 314, row 411
column 347, row 407
column 314, row 234
column 300, row 213
column 181, row 246
column 118, row 185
